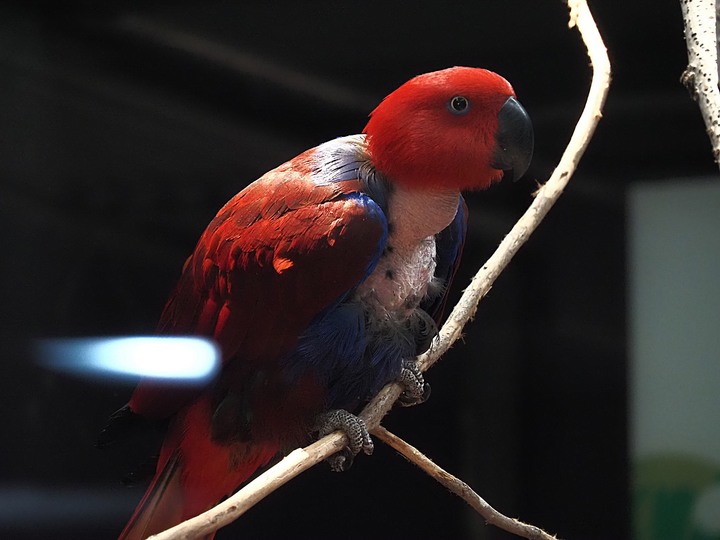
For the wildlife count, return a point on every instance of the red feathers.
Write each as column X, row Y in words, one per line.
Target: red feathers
column 267, row 248
column 418, row 140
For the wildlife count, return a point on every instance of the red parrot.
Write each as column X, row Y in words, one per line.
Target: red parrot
column 321, row 282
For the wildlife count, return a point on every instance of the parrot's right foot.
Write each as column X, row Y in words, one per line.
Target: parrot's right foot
column 415, row 389
column 354, row 428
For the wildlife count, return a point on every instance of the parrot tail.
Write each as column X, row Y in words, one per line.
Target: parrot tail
column 194, row 473
column 177, row 492
column 162, row 505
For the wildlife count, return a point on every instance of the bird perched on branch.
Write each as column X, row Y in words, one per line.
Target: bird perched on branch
column 321, row 282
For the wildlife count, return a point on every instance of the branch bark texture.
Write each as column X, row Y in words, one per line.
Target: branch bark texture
column 701, row 75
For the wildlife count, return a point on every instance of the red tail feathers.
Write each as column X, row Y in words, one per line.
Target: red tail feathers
column 194, row 473
column 161, row 507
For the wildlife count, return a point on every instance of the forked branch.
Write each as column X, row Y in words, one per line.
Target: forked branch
column 461, row 489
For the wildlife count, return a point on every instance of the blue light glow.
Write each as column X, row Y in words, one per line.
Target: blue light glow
column 186, row 359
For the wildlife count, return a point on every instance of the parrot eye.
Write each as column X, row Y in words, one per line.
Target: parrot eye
column 459, row 105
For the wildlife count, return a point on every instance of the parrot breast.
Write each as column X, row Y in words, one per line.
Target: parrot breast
column 400, row 281
column 405, row 272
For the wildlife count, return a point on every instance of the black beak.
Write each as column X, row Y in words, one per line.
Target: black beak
column 514, row 140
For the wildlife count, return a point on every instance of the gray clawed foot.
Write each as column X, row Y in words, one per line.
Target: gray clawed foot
column 355, row 429
column 416, row 390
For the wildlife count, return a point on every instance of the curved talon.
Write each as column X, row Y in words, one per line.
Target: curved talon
column 411, row 379
column 354, row 428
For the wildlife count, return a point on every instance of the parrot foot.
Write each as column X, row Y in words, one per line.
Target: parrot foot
column 355, row 429
column 416, row 390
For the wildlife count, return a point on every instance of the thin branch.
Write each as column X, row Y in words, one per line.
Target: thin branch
column 300, row 460
column 461, row 489
column 701, row 75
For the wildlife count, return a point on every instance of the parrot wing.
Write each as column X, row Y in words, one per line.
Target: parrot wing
column 278, row 254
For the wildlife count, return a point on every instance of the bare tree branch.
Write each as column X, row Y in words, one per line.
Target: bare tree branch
column 302, row 459
column 701, row 75
column 461, row 489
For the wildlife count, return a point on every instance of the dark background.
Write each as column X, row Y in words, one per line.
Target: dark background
column 123, row 128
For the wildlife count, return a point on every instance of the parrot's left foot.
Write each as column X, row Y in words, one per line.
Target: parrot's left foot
column 415, row 389
column 355, row 429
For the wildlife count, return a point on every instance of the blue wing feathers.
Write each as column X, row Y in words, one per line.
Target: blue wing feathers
column 335, row 346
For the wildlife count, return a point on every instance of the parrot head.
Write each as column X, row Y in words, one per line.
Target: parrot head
column 459, row 128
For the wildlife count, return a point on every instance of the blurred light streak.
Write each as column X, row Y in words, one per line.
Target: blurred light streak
column 182, row 359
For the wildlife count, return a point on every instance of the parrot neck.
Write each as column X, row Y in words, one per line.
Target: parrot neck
column 413, row 214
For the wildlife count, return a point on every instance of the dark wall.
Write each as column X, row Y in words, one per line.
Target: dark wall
column 123, row 128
